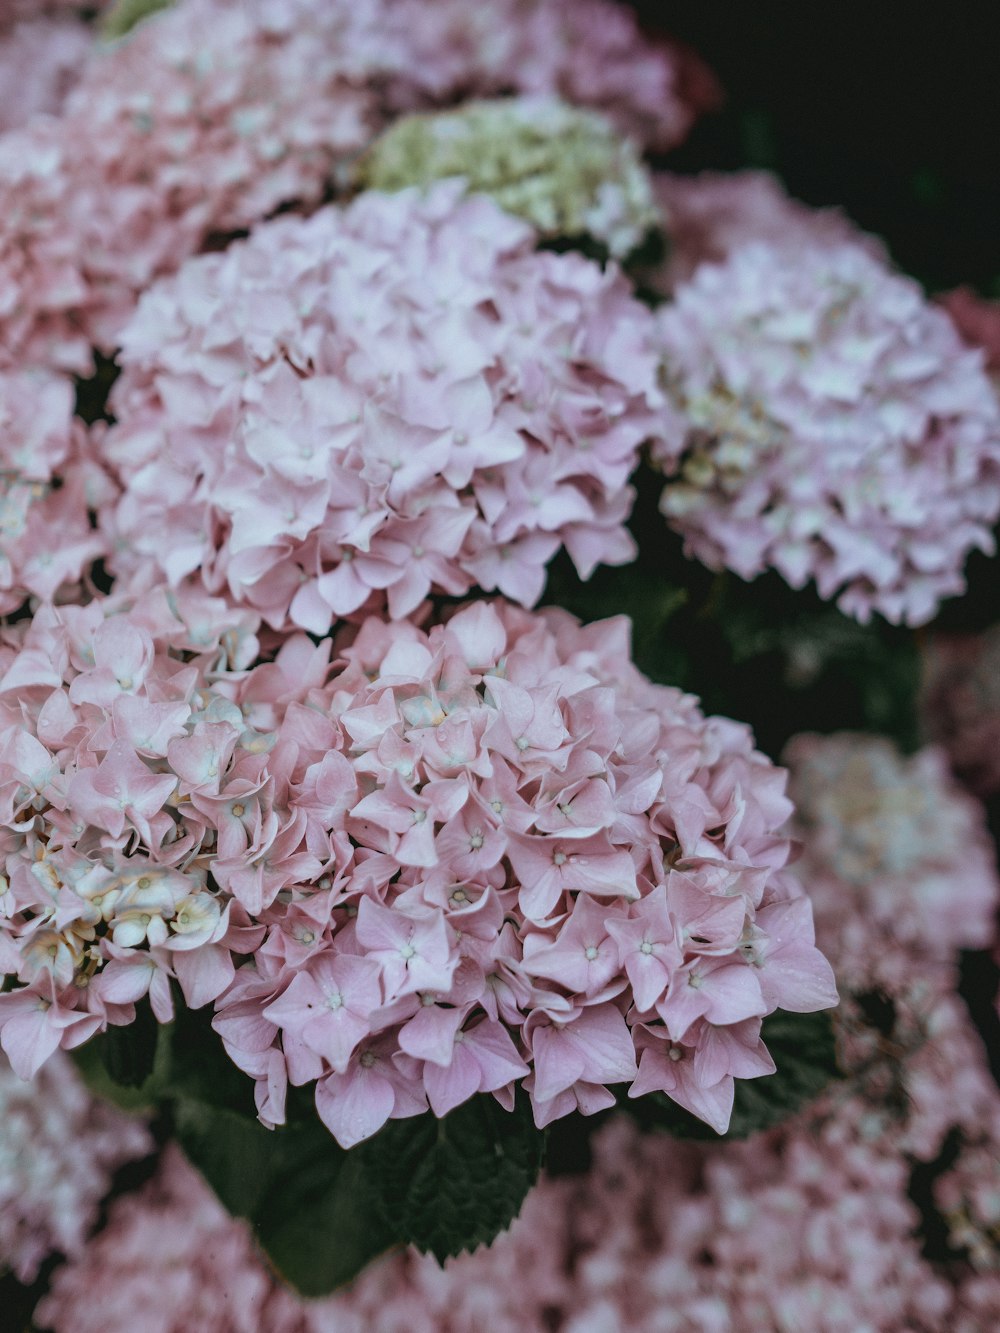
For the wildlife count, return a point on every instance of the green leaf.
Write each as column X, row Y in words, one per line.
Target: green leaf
column 452, row 1184
column 128, row 1053
column 234, row 1153
column 201, row 1070
column 93, row 1060
column 309, row 1201
column 319, row 1220
column 803, row 1048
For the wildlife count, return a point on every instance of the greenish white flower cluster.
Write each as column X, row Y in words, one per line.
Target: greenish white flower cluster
column 568, row 171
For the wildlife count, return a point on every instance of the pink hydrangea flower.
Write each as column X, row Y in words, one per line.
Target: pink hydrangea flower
column 214, row 113
column 808, row 1226
column 588, row 52
column 893, row 842
column 446, row 852
column 376, row 402
column 834, row 428
column 180, row 1263
column 977, row 321
column 50, row 482
column 792, row 1231
column 40, row 61
column 708, row 216
column 58, row 1150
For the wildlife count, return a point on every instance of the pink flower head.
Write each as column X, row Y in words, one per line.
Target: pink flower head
column 60, row 1149
column 40, row 61
column 49, row 483
column 299, row 430
column 216, row 113
column 710, row 215
column 833, row 428
column 405, row 865
column 892, row 841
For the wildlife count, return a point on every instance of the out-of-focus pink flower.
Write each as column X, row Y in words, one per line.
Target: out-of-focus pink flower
column 893, row 841
column 214, row 113
column 40, row 61
column 707, row 217
column 50, row 482
column 978, row 322
column 58, row 1150
column 180, row 1263
column 835, row 429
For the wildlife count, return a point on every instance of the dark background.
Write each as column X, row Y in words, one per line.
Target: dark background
column 890, row 110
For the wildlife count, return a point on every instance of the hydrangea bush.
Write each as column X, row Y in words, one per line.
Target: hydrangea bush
column 377, row 837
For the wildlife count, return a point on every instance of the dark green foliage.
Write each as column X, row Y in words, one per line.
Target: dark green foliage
column 453, row 1184
column 803, row 1048
column 780, row 659
column 320, row 1213
column 128, row 1053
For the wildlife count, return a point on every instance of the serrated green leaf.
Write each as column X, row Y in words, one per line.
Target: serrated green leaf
column 804, row 1050
column 449, row 1185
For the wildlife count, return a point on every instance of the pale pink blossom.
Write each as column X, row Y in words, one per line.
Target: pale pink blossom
column 213, row 114
column 405, row 865
column 58, row 1150
column 379, row 402
column 892, row 841
column 708, row 216
column 40, row 61
column 50, row 483
column 833, row 427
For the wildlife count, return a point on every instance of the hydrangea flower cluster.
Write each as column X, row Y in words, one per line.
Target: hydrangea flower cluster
column 810, row 1226
column 837, row 429
column 710, row 215
column 58, row 1150
column 892, row 842
column 902, row 877
column 461, row 859
column 978, row 322
column 791, row 1232
column 379, row 401
column 589, row 53
column 212, row 114
column 968, row 1196
column 49, row 484
column 568, row 171
column 181, row 1265
column 40, row 61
